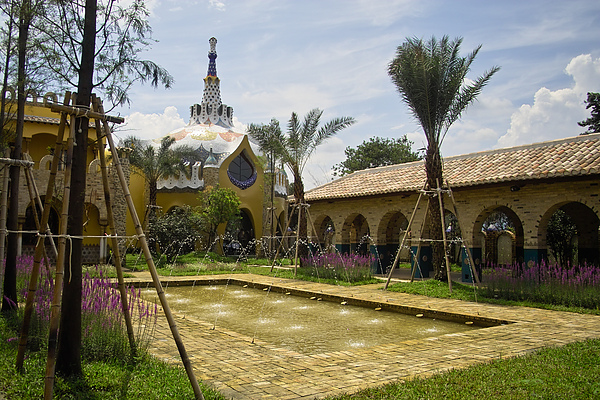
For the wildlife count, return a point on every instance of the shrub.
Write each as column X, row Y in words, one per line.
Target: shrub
column 574, row 286
column 346, row 267
column 174, row 233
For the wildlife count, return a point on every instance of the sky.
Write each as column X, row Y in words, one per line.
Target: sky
column 276, row 57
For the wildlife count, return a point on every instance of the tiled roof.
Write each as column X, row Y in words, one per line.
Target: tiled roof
column 574, row 156
column 45, row 120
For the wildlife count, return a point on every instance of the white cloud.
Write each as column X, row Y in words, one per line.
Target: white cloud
column 217, row 4
column 151, row 126
column 554, row 114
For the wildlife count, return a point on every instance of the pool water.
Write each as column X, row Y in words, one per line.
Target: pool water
column 297, row 323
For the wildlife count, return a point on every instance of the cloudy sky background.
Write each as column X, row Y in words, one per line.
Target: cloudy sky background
column 276, row 57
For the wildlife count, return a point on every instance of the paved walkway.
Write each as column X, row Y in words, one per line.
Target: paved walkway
column 231, row 363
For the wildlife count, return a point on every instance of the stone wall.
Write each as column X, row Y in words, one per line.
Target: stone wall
column 531, row 204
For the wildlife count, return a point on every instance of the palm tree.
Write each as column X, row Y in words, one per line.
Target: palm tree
column 295, row 148
column 157, row 163
column 431, row 79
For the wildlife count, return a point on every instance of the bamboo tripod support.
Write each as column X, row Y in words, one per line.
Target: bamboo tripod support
column 438, row 193
column 300, row 206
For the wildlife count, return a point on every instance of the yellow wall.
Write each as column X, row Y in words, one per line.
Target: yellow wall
column 251, row 198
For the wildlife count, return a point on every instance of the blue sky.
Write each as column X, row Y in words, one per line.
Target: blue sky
column 276, row 57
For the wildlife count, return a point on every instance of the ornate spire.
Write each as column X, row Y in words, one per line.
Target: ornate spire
column 212, row 110
column 212, row 56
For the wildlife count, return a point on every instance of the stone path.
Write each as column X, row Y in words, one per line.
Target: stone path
column 240, row 369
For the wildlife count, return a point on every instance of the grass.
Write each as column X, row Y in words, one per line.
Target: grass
column 148, row 378
column 467, row 292
column 568, row 372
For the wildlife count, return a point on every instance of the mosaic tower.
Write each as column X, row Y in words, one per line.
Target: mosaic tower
column 212, row 110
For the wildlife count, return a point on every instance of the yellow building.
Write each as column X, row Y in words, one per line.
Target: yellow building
column 227, row 158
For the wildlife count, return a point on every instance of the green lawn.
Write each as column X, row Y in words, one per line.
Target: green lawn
column 568, row 372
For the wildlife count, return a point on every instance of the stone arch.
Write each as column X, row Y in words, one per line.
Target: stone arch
column 586, row 220
column 46, row 162
column 355, row 234
column 325, row 229
column 389, row 234
column 485, row 241
column 94, row 167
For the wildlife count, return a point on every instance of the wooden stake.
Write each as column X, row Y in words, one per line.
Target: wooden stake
column 439, row 194
column 464, row 242
column 397, row 259
column 3, row 206
column 282, row 240
column 418, row 254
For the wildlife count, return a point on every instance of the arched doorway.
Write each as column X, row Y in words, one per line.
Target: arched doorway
column 571, row 234
column 30, row 239
column 239, row 235
column 391, row 229
column 356, row 235
column 325, row 231
column 490, row 226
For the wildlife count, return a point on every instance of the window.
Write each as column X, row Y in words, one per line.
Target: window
column 241, row 171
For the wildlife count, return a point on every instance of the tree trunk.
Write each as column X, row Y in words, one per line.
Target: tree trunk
column 433, row 168
column 9, row 300
column 68, row 361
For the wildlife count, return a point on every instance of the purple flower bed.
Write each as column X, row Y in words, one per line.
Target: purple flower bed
column 343, row 267
column 103, row 327
column 574, row 286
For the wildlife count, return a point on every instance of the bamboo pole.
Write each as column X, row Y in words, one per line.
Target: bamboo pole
column 439, row 194
column 3, row 207
column 78, row 112
column 36, row 195
column 418, row 254
column 397, row 258
column 469, row 255
column 159, row 290
column 282, row 240
column 297, row 239
column 34, row 200
column 60, row 261
column 39, row 248
column 113, row 232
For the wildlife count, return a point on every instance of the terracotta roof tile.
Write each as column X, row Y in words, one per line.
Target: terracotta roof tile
column 579, row 155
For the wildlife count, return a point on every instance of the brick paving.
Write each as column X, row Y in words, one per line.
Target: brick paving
column 240, row 369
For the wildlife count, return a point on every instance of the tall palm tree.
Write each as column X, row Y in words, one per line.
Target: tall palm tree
column 296, row 146
column 431, row 79
column 157, row 163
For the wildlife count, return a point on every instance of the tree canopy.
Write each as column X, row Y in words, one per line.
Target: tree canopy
column 593, row 122
column 295, row 147
column 155, row 163
column 218, row 206
column 376, row 152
